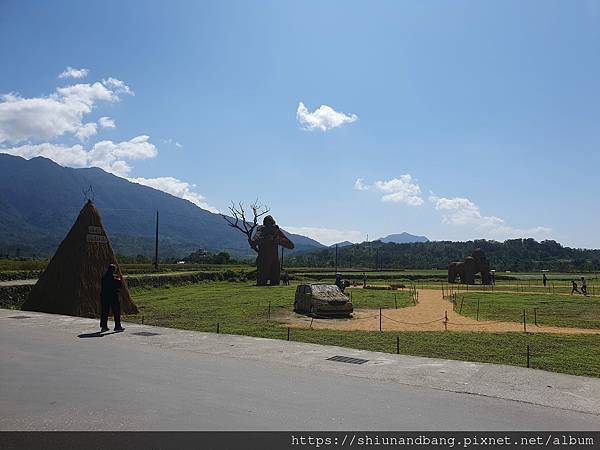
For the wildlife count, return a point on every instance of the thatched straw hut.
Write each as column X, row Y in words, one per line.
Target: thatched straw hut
column 71, row 283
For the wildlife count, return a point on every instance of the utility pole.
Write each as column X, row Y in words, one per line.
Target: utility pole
column 156, row 245
column 336, row 258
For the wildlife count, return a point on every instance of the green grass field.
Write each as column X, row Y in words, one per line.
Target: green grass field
column 553, row 310
column 241, row 308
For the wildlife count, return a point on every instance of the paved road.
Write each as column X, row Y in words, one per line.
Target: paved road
column 51, row 379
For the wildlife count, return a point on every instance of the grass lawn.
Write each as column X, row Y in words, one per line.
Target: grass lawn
column 554, row 310
column 241, row 308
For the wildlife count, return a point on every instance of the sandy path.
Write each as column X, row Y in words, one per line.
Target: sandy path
column 427, row 315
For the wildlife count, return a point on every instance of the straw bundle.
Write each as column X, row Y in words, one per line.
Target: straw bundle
column 71, row 283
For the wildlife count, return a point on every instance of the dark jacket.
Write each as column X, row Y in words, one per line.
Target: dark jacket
column 110, row 288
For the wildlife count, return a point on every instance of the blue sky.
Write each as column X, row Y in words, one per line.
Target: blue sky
column 456, row 120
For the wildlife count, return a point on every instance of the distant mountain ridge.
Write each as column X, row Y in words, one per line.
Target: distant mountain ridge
column 39, row 201
column 342, row 244
column 403, row 238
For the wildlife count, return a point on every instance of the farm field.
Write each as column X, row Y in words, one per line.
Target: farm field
column 241, row 308
column 553, row 310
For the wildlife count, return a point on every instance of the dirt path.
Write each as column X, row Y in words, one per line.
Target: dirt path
column 427, row 315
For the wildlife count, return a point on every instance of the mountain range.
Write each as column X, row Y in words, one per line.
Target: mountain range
column 403, row 238
column 39, row 201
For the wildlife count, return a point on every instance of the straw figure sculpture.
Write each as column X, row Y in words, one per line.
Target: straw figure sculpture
column 70, row 284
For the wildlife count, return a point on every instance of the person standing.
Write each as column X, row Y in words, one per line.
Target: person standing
column 109, row 298
column 544, row 279
column 364, row 280
column 583, row 286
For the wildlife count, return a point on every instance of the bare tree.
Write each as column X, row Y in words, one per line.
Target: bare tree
column 239, row 221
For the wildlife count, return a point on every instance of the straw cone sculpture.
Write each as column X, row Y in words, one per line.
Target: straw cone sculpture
column 71, row 283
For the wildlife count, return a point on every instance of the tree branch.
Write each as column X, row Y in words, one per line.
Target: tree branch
column 239, row 214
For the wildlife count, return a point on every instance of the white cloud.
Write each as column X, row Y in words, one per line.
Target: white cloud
column 324, row 118
column 327, row 236
column 106, row 122
column 74, row 156
column 70, row 72
column 110, row 156
column 117, row 86
column 86, row 130
column 460, row 211
column 398, row 190
column 177, row 188
column 360, row 185
column 62, row 113
column 45, row 118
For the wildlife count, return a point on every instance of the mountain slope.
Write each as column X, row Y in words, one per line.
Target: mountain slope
column 39, row 200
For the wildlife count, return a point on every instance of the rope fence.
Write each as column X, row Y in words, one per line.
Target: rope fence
column 535, row 312
column 527, row 357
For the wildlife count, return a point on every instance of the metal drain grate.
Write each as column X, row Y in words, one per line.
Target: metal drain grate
column 347, row 359
column 146, row 333
column 20, row 317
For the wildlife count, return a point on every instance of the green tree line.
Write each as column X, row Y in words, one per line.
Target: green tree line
column 519, row 255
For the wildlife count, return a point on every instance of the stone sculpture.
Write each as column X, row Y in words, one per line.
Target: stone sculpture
column 266, row 242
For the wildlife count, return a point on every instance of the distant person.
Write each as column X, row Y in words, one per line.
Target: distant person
column 544, row 279
column 364, row 280
column 493, row 277
column 285, row 278
column 574, row 287
column 583, row 286
column 109, row 298
column 338, row 280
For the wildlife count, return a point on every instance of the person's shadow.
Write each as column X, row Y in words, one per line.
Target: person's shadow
column 96, row 334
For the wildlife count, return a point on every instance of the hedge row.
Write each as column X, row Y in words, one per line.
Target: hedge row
column 199, row 277
column 12, row 297
column 13, row 275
